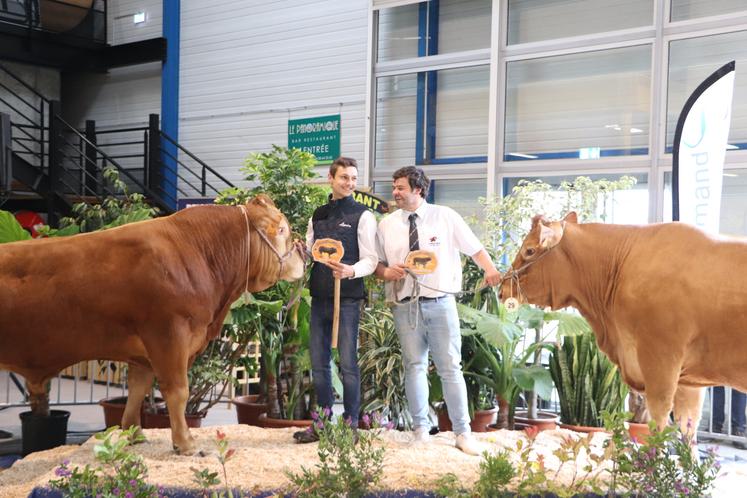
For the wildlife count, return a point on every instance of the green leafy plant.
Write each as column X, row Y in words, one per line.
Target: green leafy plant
column 382, row 371
column 113, row 211
column 350, row 461
column 118, row 473
column 10, row 229
column 280, row 315
column 506, row 222
column 587, row 381
column 649, row 468
column 208, row 480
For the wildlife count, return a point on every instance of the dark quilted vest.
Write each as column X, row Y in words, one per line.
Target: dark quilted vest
column 338, row 220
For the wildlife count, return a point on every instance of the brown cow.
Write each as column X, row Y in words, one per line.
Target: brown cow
column 151, row 294
column 667, row 302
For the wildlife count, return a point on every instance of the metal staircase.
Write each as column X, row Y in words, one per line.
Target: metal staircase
column 54, row 165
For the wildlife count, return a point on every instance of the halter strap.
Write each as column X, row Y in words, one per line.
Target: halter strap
column 281, row 257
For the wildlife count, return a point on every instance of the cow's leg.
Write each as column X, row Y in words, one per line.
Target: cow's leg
column 38, row 395
column 171, row 370
column 139, row 382
column 660, row 379
column 688, row 402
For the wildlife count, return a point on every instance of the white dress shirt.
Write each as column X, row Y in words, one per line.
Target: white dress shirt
column 442, row 231
column 366, row 244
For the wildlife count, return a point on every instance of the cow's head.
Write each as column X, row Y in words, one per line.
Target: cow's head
column 282, row 257
column 526, row 279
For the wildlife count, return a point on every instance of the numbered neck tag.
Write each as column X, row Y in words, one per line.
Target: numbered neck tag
column 511, row 304
column 325, row 250
column 421, row 262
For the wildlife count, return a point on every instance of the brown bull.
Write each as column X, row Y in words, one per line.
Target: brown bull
column 666, row 302
column 151, row 294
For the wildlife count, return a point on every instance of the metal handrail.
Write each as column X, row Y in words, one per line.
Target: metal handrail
column 199, row 161
column 85, row 141
column 26, row 85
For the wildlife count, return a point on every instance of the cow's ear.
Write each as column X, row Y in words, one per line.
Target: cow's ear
column 537, row 218
column 550, row 235
column 571, row 217
column 262, row 200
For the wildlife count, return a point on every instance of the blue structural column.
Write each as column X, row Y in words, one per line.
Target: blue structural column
column 170, row 98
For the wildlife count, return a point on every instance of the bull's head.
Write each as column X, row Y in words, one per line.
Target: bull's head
column 528, row 279
column 288, row 254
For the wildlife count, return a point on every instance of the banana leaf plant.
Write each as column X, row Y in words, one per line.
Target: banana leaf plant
column 588, row 382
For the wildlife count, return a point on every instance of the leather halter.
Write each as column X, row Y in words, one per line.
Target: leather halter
column 280, row 257
column 513, row 275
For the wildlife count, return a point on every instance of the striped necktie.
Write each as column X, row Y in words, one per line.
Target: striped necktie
column 414, row 245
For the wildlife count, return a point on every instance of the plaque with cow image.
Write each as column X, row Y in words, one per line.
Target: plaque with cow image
column 421, row 262
column 325, row 250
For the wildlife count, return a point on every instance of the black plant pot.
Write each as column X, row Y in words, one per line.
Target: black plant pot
column 42, row 433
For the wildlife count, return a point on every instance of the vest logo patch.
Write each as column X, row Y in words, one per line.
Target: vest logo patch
column 345, row 225
column 433, row 241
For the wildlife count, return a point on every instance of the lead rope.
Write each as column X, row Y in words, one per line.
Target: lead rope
column 413, row 315
column 248, row 245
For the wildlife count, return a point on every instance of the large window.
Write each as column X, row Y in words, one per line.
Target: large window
column 733, row 201
column 433, row 27
column 461, row 195
column 433, row 117
column 537, row 20
column 582, row 106
column 622, row 207
column 691, row 9
column 690, row 62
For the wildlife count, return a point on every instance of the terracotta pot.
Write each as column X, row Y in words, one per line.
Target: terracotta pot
column 482, row 418
column 114, row 408
column 248, row 410
column 582, row 428
column 639, row 431
column 546, row 421
column 444, row 422
column 160, row 420
column 279, row 423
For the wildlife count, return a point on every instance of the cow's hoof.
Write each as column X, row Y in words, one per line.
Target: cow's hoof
column 189, row 451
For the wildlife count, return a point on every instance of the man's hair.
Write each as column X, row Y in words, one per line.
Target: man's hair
column 342, row 162
column 415, row 177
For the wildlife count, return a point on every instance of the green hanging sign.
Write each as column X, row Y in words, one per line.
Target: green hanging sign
column 319, row 135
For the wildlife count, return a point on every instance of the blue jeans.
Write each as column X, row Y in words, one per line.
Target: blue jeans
column 437, row 330
column 347, row 345
column 738, row 405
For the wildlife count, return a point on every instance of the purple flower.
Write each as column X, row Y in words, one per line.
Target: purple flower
column 66, row 462
column 390, row 425
column 115, row 491
column 366, row 420
column 62, row 472
column 133, row 482
column 314, row 416
column 327, row 412
column 128, row 495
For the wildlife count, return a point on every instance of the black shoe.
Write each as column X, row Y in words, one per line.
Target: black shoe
column 740, row 445
column 304, row 437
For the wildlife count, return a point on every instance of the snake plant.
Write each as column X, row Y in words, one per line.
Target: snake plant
column 587, row 381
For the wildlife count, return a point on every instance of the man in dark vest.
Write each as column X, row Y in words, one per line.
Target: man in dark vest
column 343, row 219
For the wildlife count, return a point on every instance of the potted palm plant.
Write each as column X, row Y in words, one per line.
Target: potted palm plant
column 587, row 383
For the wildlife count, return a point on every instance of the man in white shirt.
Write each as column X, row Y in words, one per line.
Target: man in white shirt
column 429, row 322
column 343, row 219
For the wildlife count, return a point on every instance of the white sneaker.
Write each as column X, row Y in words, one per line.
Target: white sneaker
column 421, row 435
column 469, row 445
